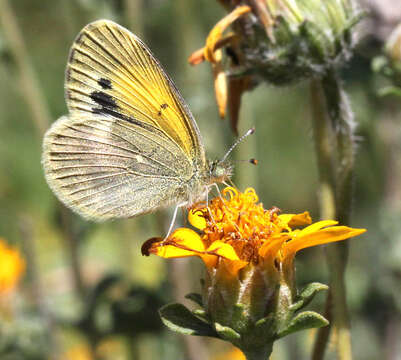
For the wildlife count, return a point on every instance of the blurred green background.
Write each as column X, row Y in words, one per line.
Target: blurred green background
column 87, row 292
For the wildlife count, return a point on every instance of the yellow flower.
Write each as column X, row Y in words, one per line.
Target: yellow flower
column 249, row 296
column 238, row 231
column 232, row 354
column 12, row 266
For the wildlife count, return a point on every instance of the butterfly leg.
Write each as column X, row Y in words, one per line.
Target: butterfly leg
column 207, row 203
column 218, row 190
column 173, row 219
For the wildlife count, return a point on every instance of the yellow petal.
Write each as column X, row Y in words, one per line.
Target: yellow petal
column 322, row 236
column 270, row 248
column 227, row 252
column 182, row 243
column 317, row 226
column 293, row 220
column 233, row 266
column 196, row 218
column 223, row 249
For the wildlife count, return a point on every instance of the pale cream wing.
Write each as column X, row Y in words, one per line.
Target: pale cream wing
column 105, row 168
column 110, row 71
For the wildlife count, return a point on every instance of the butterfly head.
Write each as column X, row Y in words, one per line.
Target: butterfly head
column 220, row 171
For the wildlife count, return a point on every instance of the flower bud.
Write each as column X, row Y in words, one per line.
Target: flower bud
column 280, row 42
column 289, row 40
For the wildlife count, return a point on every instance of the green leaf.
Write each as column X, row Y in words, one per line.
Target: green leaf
column 307, row 294
column 179, row 319
column 200, row 313
column 226, row 333
column 196, row 298
column 304, row 320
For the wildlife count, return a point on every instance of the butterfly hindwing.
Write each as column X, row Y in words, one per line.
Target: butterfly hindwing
column 103, row 168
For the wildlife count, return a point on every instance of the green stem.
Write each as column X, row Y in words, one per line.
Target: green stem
column 333, row 124
column 324, row 145
column 345, row 141
column 323, row 334
column 258, row 353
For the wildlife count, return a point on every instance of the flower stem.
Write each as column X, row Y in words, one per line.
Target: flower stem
column 262, row 353
column 333, row 128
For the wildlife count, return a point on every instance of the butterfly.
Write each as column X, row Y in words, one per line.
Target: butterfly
column 129, row 144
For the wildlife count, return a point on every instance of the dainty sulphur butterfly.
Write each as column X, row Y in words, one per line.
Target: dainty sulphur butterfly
column 129, row 144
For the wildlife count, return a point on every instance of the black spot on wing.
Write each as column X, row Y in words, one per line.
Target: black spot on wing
column 118, row 115
column 104, row 83
column 162, row 107
column 104, row 100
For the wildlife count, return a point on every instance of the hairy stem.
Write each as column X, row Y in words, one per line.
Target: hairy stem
column 333, row 127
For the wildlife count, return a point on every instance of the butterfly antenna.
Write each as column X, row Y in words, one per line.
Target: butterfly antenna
column 251, row 161
column 249, row 132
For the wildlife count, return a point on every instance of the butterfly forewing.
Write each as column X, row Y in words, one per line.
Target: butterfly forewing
column 129, row 143
column 111, row 71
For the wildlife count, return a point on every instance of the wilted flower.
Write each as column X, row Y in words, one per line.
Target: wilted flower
column 249, row 293
column 12, row 266
column 278, row 41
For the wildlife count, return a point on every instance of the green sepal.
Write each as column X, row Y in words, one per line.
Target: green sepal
column 304, row 320
column 266, row 327
column 238, row 313
column 179, row 319
column 196, row 298
column 226, row 333
column 319, row 45
column 307, row 294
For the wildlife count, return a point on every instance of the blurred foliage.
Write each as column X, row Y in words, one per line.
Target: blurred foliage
column 50, row 308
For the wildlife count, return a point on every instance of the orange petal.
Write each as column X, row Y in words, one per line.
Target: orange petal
column 183, row 242
column 270, row 248
column 322, row 236
column 261, row 9
column 236, row 87
column 216, row 33
column 197, row 57
column 220, row 88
